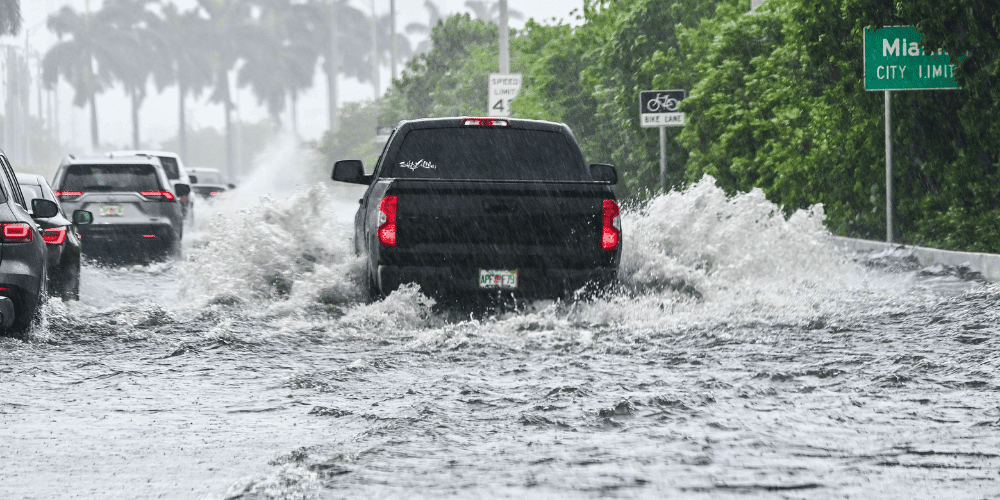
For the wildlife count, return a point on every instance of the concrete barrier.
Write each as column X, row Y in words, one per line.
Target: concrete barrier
column 986, row 264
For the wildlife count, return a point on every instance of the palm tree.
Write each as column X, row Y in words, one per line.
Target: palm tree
column 384, row 37
column 490, row 11
column 90, row 44
column 181, row 37
column 282, row 63
column 127, row 21
column 229, row 30
column 347, row 53
column 10, row 17
column 433, row 17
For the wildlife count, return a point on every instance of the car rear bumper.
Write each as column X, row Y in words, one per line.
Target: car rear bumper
column 126, row 239
column 464, row 281
column 20, row 281
column 118, row 233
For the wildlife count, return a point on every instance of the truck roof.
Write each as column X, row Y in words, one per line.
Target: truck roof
column 457, row 121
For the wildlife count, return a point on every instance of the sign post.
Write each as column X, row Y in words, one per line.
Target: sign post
column 503, row 88
column 658, row 108
column 895, row 60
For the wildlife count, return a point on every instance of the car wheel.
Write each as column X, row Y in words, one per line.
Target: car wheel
column 372, row 292
column 71, row 284
column 29, row 312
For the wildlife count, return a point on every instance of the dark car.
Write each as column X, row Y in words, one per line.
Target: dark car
column 136, row 214
column 23, row 254
column 210, row 183
column 62, row 238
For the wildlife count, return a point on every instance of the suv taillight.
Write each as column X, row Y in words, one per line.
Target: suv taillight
column 54, row 235
column 611, row 226
column 68, row 194
column 387, row 221
column 158, row 195
column 17, row 232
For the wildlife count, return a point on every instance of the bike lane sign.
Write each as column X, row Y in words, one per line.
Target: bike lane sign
column 658, row 108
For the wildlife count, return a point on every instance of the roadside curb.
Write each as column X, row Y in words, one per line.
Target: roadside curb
column 986, row 264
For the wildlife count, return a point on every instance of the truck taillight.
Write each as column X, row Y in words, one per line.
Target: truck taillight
column 158, row 195
column 54, row 235
column 387, row 221
column 17, row 232
column 485, row 122
column 69, row 194
column 611, row 226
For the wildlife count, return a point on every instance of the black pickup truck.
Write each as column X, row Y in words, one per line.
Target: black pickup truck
column 474, row 206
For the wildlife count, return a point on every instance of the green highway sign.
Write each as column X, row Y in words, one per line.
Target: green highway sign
column 895, row 60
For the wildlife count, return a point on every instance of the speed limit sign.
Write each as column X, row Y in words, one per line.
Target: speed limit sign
column 503, row 89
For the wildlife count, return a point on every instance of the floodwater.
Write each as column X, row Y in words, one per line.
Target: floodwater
column 745, row 356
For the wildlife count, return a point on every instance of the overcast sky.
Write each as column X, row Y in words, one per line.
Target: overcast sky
column 158, row 114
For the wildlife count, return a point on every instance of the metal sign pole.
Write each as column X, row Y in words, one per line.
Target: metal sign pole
column 504, row 39
column 663, row 159
column 888, row 166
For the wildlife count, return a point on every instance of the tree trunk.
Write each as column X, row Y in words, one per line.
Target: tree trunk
column 333, row 97
column 332, row 68
column 135, row 118
column 295, row 115
column 94, row 139
column 227, row 106
column 181, row 122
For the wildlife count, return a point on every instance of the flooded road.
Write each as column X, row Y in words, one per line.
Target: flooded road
column 745, row 356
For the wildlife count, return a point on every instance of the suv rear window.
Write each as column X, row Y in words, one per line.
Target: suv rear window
column 486, row 154
column 91, row 178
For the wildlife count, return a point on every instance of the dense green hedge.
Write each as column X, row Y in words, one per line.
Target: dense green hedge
column 776, row 101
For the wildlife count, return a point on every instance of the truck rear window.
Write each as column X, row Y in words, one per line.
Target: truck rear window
column 486, row 153
column 91, row 178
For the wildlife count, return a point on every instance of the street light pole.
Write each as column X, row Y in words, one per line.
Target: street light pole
column 392, row 35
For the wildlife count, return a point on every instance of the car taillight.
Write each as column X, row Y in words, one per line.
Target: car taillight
column 611, row 226
column 387, row 221
column 158, row 195
column 54, row 235
column 68, row 194
column 17, row 232
column 485, row 122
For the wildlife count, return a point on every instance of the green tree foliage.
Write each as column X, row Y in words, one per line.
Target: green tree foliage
column 451, row 79
column 776, row 101
column 781, row 105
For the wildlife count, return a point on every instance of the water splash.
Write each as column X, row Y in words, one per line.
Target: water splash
column 692, row 256
column 290, row 254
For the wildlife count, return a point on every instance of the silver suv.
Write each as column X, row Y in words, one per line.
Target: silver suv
column 136, row 211
column 176, row 173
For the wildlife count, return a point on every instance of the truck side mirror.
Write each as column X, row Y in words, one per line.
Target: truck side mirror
column 182, row 189
column 602, row 172
column 193, row 179
column 352, row 171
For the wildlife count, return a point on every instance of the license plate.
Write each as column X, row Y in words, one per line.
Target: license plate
column 497, row 278
column 112, row 210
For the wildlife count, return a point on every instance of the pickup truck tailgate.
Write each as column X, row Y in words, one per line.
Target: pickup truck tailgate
column 496, row 223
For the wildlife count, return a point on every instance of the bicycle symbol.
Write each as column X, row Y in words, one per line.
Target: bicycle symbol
column 662, row 101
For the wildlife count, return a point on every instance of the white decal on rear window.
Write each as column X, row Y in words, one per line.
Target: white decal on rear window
column 413, row 165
